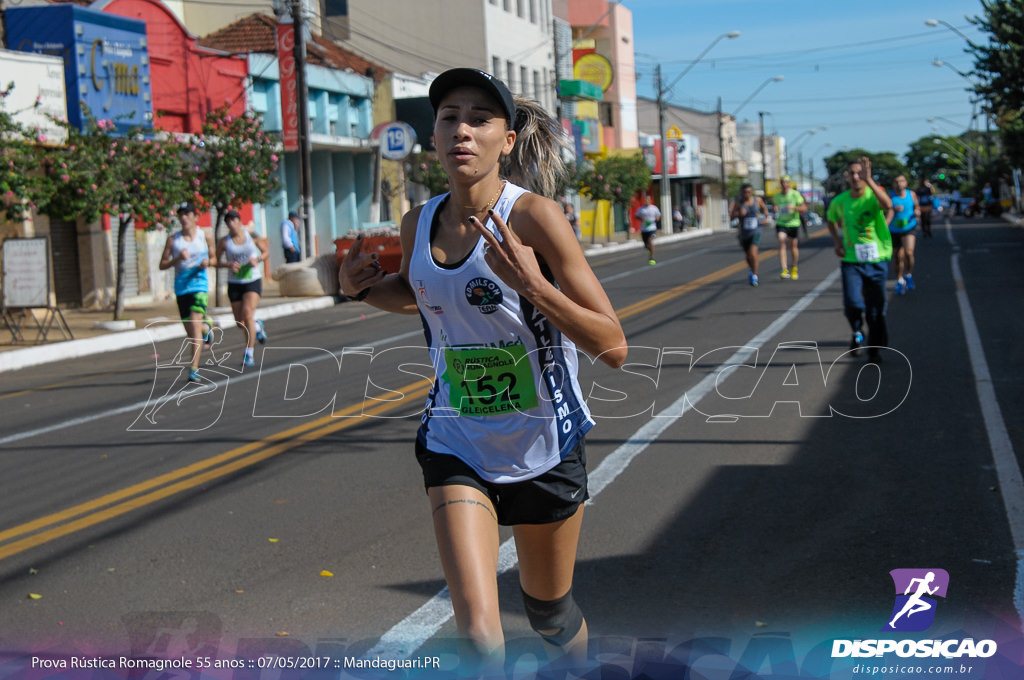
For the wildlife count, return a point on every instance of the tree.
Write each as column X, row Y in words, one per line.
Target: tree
column 20, row 186
column 615, row 179
column 1000, row 67
column 423, row 168
column 235, row 163
column 946, row 161
column 884, row 167
column 138, row 178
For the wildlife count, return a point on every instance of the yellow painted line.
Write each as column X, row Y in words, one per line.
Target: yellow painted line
column 139, row 495
column 287, row 439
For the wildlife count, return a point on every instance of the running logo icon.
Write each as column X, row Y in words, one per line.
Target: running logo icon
column 914, row 609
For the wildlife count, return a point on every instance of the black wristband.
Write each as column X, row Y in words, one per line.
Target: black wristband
column 361, row 295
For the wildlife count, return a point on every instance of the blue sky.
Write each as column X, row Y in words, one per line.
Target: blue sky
column 864, row 68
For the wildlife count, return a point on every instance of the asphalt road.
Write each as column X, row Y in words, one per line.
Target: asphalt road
column 258, row 511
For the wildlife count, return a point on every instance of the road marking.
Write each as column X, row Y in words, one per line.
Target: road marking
column 192, row 476
column 138, row 406
column 163, row 486
column 405, row 637
column 1011, row 484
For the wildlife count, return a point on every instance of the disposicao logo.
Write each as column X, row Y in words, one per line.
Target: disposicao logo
column 914, row 611
column 916, row 590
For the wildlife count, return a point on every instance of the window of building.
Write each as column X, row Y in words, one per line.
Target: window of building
column 510, row 72
column 604, row 110
column 533, row 11
column 538, row 91
column 508, row 5
column 521, row 8
column 524, row 80
column 496, row 67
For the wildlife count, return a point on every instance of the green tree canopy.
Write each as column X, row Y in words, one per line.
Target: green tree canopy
column 1000, row 67
column 615, row 178
column 885, row 165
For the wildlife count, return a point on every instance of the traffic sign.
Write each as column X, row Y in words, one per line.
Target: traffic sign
column 396, row 139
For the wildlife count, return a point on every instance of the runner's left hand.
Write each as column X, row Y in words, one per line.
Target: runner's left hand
column 514, row 263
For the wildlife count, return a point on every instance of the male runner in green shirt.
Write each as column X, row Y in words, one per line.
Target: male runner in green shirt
column 858, row 221
column 789, row 205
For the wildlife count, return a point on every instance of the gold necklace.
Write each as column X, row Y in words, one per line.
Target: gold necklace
column 494, row 199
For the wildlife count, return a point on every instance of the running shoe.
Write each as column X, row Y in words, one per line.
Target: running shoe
column 910, row 281
column 901, row 287
column 261, row 332
column 651, row 262
column 207, row 334
column 784, row 274
column 793, row 274
column 248, row 361
column 856, row 342
column 753, row 279
column 193, row 375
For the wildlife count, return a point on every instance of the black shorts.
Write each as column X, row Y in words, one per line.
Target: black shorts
column 897, row 239
column 791, row 232
column 192, row 302
column 550, row 497
column 236, row 291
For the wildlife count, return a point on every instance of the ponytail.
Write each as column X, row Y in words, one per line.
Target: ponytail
column 536, row 161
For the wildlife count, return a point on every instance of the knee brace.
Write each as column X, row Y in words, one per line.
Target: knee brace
column 556, row 621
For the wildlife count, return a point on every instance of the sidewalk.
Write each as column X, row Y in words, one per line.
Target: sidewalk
column 162, row 317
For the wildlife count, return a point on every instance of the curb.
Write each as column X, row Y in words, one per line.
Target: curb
column 157, row 330
column 593, row 250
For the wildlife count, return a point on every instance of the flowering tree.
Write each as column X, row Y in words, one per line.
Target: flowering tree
column 19, row 183
column 615, row 179
column 235, row 163
column 138, row 178
column 424, row 168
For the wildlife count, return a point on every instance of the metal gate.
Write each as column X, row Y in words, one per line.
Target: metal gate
column 131, row 258
column 67, row 279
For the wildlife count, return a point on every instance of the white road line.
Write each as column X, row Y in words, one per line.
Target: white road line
column 412, row 632
column 1011, row 483
column 138, row 406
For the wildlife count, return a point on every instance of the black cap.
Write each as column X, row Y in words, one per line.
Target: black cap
column 232, row 215
column 471, row 77
column 293, row 214
column 186, row 207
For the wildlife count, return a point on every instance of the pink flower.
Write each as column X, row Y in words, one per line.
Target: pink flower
column 273, row 157
column 94, row 187
column 65, row 178
column 238, row 169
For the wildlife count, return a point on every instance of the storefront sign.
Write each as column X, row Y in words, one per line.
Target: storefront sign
column 106, row 60
column 289, row 88
column 38, row 96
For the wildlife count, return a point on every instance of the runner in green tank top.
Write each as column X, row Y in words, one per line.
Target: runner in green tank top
column 789, row 205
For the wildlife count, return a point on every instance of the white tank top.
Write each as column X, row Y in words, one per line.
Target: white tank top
column 505, row 398
column 233, row 252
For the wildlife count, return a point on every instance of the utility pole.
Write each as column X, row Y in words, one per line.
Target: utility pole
column 305, row 144
column 764, row 158
column 666, row 198
column 721, row 153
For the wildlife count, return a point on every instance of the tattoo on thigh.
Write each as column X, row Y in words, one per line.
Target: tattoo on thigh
column 470, row 501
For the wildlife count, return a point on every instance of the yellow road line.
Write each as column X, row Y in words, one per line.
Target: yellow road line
column 139, row 495
column 228, row 462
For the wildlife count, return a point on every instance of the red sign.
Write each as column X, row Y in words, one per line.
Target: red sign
column 289, row 91
column 653, row 157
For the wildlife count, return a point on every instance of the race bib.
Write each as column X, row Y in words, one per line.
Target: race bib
column 750, row 223
column 899, row 224
column 866, row 252
column 490, row 381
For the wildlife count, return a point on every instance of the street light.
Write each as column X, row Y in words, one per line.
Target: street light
column 939, row 62
column 776, row 79
column 796, row 143
column 666, row 198
column 936, row 22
